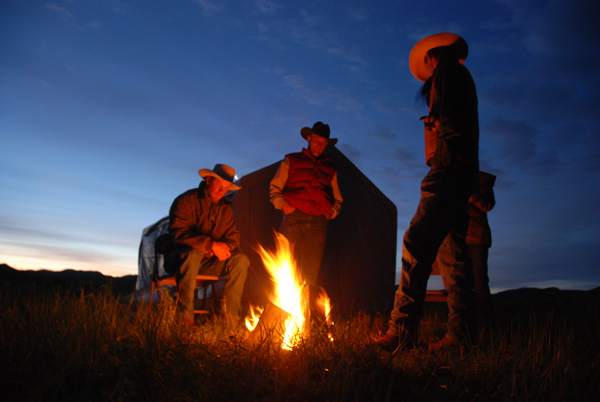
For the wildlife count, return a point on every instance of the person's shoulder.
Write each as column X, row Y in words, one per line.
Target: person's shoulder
column 188, row 196
column 293, row 154
column 454, row 68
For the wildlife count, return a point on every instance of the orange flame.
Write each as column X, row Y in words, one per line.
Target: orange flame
column 324, row 302
column 253, row 317
column 287, row 293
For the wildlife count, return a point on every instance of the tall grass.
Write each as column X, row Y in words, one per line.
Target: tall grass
column 63, row 346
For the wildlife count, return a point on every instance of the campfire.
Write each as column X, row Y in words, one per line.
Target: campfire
column 287, row 314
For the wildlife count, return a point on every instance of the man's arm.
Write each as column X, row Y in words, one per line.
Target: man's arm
column 182, row 225
column 276, row 188
column 337, row 196
column 484, row 199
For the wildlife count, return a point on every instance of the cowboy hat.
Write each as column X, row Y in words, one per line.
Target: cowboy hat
column 416, row 59
column 223, row 172
column 320, row 129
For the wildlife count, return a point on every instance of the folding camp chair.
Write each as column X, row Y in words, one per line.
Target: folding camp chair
column 205, row 282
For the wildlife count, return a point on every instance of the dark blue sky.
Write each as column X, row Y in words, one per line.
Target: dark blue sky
column 109, row 108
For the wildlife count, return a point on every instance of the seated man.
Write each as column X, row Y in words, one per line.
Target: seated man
column 206, row 242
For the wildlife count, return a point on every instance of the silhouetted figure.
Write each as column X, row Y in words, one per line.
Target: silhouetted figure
column 479, row 241
column 452, row 152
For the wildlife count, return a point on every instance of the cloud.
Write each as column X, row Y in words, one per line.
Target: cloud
column 408, row 160
column 516, row 146
column 66, row 14
column 383, row 133
column 119, row 7
column 315, row 98
column 211, row 7
column 311, row 32
column 267, row 7
column 357, row 14
column 564, row 27
column 351, row 152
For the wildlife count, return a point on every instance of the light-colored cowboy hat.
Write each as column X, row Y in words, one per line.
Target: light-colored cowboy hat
column 320, row 129
column 224, row 172
column 416, row 59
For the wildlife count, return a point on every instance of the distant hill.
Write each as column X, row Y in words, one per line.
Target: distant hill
column 69, row 279
column 509, row 303
column 575, row 303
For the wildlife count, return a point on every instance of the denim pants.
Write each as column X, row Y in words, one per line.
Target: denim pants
column 191, row 263
column 307, row 233
column 441, row 218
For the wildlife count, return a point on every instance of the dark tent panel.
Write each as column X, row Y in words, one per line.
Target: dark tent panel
column 359, row 266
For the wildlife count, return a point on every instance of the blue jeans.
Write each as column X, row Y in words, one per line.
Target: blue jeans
column 441, row 218
column 307, row 233
column 191, row 263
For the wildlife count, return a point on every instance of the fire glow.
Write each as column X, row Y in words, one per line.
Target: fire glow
column 290, row 294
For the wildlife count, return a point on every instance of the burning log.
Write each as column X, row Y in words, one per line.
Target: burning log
column 287, row 316
column 278, row 326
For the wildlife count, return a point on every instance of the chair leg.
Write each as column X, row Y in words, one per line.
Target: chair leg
column 204, row 292
column 213, row 295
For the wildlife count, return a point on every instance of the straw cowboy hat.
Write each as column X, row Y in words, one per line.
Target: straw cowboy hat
column 416, row 59
column 224, row 172
column 320, row 129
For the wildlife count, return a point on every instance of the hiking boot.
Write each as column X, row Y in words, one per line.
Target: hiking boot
column 446, row 343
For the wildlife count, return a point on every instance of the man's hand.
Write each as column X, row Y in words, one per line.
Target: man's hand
column 288, row 208
column 430, row 123
column 221, row 250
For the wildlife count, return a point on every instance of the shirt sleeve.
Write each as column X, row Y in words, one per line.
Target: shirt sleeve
column 278, row 184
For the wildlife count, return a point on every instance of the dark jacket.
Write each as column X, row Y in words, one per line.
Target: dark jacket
column 453, row 102
column 195, row 221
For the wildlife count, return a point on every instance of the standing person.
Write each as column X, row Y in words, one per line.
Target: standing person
column 306, row 189
column 452, row 153
column 479, row 240
column 206, row 239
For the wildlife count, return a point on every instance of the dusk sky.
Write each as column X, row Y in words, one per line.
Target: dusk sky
column 108, row 108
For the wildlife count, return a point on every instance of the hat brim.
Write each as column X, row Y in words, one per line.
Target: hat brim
column 416, row 59
column 207, row 172
column 306, row 131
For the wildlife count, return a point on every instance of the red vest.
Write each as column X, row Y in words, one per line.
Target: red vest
column 308, row 186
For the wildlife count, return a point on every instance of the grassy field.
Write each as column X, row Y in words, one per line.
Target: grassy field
column 78, row 346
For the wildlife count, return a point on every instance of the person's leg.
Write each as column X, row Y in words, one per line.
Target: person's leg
column 185, row 262
column 427, row 230
column 455, row 265
column 307, row 234
column 457, row 274
column 313, row 248
column 235, row 268
column 485, row 307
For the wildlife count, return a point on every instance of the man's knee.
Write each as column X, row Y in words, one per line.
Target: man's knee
column 239, row 262
column 182, row 259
